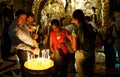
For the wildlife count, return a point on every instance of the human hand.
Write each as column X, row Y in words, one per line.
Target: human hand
column 35, row 36
column 61, row 45
column 32, row 28
column 36, row 51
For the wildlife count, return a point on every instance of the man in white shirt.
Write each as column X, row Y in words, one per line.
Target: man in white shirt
column 21, row 38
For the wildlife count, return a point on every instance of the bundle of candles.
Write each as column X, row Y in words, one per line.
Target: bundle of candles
column 40, row 63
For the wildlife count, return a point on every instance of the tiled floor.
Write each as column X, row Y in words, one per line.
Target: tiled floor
column 10, row 68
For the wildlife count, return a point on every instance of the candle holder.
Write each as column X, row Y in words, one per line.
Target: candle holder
column 39, row 67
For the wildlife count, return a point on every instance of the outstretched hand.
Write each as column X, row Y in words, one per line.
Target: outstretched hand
column 35, row 50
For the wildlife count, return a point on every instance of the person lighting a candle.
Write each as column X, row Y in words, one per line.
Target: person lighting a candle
column 21, row 39
column 57, row 44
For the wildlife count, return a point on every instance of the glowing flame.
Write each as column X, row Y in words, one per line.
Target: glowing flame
column 39, row 63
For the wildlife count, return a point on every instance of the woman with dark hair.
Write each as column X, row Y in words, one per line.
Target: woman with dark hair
column 83, row 44
column 58, row 44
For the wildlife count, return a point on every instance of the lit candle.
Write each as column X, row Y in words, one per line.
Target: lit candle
column 42, row 53
column 34, row 65
column 49, row 7
column 28, row 58
column 38, row 53
column 57, row 9
column 37, row 28
column 72, row 4
column 48, row 53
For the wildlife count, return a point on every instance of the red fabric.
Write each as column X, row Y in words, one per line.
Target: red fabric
column 59, row 41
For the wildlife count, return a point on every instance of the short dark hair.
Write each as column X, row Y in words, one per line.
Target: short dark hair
column 111, row 17
column 30, row 14
column 117, row 8
column 19, row 12
column 55, row 22
column 88, row 18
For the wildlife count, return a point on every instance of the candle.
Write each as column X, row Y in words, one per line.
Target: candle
column 48, row 53
column 49, row 6
column 37, row 28
column 43, row 53
column 28, row 58
column 39, row 63
column 57, row 9
column 34, row 65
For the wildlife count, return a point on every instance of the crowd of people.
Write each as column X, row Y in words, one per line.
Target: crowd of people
column 82, row 34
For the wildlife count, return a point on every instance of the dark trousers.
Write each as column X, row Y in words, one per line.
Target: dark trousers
column 88, row 67
column 22, row 55
column 61, row 70
column 72, row 62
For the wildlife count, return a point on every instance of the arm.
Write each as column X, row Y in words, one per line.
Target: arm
column 26, row 47
column 74, row 41
column 23, row 36
column 68, row 35
column 51, row 48
column 26, row 41
column 23, row 46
